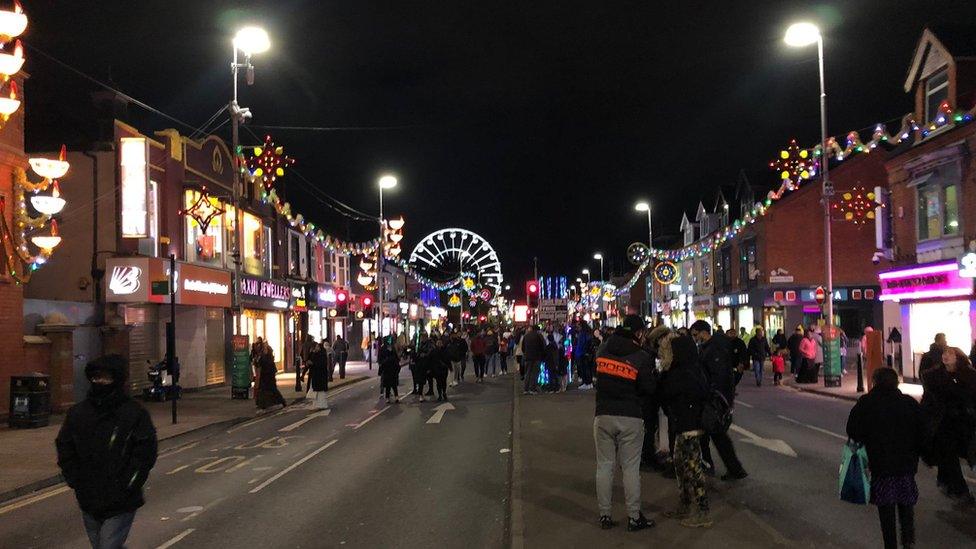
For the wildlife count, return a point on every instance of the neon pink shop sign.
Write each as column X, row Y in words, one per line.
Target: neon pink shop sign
column 925, row 281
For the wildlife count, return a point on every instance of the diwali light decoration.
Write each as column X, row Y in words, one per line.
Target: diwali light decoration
column 13, row 22
column 204, row 210
column 665, row 272
column 857, row 205
column 794, row 165
column 637, row 253
column 269, row 162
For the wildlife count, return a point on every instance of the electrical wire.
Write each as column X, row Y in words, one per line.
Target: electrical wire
column 203, row 127
column 338, row 128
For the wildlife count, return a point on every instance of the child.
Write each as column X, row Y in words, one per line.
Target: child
column 779, row 365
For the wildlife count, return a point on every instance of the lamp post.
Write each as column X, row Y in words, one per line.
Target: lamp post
column 385, row 182
column 599, row 257
column 645, row 207
column 800, row 35
column 249, row 41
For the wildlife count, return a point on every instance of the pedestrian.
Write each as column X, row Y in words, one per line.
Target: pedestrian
column 563, row 366
column 718, row 366
column 518, row 355
column 440, row 367
column 807, row 372
column 504, row 349
column 778, row 362
column 972, row 353
column 553, row 358
column 389, row 369
column 740, row 355
column 759, row 351
column 534, row 349
column 329, row 358
column 933, row 357
column 624, row 376
column 340, row 351
column 651, row 404
column 793, row 344
column 891, row 426
column 949, row 402
column 479, row 348
column 818, row 358
column 844, row 342
column 318, row 377
column 779, row 340
column 581, row 349
column 684, row 388
column 267, row 393
column 491, row 353
column 457, row 351
column 106, row 448
column 420, row 364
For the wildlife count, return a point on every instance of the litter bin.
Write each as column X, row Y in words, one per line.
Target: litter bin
column 30, row 401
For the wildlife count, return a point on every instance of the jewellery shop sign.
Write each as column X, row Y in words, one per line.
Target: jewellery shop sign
column 264, row 293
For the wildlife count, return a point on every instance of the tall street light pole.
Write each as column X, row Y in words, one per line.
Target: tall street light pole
column 645, row 207
column 249, row 40
column 799, row 35
column 385, row 182
column 599, row 257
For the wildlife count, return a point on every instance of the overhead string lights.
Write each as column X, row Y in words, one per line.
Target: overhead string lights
column 416, row 275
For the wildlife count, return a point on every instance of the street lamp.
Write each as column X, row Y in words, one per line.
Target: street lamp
column 249, row 41
column 598, row 256
column 645, row 207
column 587, row 273
column 800, row 35
column 385, row 182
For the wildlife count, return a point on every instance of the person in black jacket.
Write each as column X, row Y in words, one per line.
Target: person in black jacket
column 891, row 427
column 933, row 357
column 318, row 376
column 533, row 353
column 949, row 401
column 106, row 448
column 739, row 353
column 779, row 340
column 624, row 377
column 389, row 370
column 793, row 344
column 717, row 362
column 759, row 351
column 684, row 389
column 440, row 365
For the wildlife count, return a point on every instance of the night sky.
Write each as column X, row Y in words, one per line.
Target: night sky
column 535, row 124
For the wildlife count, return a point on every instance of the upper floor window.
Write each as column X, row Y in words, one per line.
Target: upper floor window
column 936, row 91
column 706, row 273
column 296, row 254
column 256, row 248
column 211, row 244
column 748, row 264
column 938, row 203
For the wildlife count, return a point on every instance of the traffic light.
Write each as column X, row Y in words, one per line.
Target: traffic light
column 342, row 303
column 532, row 293
column 367, row 305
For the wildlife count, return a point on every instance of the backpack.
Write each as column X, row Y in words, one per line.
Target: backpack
column 716, row 413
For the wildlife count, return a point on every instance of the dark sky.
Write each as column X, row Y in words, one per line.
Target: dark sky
column 535, row 124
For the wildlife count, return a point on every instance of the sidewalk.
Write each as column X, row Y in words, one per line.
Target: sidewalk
column 28, row 460
column 846, row 391
column 554, row 488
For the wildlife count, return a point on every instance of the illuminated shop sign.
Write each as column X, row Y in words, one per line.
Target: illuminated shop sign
column 134, row 181
column 264, row 293
column 934, row 280
column 146, row 280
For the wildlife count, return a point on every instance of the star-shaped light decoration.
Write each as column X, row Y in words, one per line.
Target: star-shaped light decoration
column 794, row 164
column 857, row 205
column 269, row 162
column 204, row 210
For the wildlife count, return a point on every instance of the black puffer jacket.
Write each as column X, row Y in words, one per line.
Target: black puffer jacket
column 684, row 387
column 624, row 376
column 719, row 364
column 892, row 428
column 533, row 346
column 107, row 446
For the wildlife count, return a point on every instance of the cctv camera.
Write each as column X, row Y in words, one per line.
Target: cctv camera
column 876, row 258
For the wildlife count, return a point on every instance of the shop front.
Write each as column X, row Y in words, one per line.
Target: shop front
column 734, row 312
column 266, row 305
column 854, row 308
column 703, row 308
column 921, row 301
column 139, row 285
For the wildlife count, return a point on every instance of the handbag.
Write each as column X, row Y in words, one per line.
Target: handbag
column 854, row 486
column 716, row 413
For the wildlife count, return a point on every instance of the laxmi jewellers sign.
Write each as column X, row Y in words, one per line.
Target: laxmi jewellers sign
column 264, row 293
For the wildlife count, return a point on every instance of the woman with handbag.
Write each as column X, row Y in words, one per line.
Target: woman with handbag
column 949, row 402
column 891, row 426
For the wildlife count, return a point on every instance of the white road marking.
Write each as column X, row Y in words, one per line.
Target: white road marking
column 370, row 418
column 746, row 404
column 60, row 489
column 439, row 412
column 306, row 419
column 814, row 428
column 293, row 408
column 176, row 539
column 188, row 517
column 774, row 445
column 291, row 467
column 179, row 449
column 190, row 509
column 504, row 451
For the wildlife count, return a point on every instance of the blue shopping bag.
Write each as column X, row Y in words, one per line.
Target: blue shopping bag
column 854, row 484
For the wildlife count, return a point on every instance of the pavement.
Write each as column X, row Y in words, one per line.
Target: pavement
column 196, row 410
column 846, row 391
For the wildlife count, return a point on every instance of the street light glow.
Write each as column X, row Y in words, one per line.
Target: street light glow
column 586, row 271
column 642, row 207
column 801, row 34
column 598, row 256
column 388, row 182
column 251, row 40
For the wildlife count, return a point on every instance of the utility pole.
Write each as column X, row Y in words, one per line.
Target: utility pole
column 171, row 337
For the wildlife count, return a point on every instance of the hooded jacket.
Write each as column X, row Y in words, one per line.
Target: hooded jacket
column 624, row 376
column 684, row 386
column 719, row 365
column 107, row 445
column 892, row 428
column 533, row 346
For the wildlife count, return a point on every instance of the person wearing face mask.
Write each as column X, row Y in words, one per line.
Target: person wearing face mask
column 106, row 448
column 948, row 401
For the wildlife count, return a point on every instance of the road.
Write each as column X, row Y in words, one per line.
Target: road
column 367, row 474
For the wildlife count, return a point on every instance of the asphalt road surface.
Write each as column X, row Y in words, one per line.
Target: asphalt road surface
column 367, row 474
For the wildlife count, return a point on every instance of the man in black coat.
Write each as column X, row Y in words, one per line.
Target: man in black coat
column 718, row 364
column 533, row 353
column 106, row 448
column 793, row 344
column 933, row 357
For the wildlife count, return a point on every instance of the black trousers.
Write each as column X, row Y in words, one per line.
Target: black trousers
column 396, row 393
column 479, row 366
column 441, row 378
column 419, row 378
column 726, row 451
column 950, row 474
column 651, row 420
column 906, row 516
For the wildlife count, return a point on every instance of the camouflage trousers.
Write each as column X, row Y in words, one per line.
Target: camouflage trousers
column 689, row 471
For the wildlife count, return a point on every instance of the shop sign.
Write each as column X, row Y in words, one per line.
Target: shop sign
column 967, row 265
column 146, row 280
column 732, row 300
column 933, row 280
column 414, row 311
column 202, row 286
column 810, row 295
column 134, row 182
column 299, row 303
column 326, row 296
column 264, row 293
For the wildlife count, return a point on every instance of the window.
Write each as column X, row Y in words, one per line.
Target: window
column 211, row 246
column 310, row 259
column 256, row 246
column 748, row 269
column 723, row 270
column 706, row 274
column 328, row 266
column 936, row 91
column 342, row 270
column 296, row 254
column 150, row 245
column 938, row 204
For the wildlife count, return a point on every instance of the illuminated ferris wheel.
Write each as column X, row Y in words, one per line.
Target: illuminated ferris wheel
column 445, row 254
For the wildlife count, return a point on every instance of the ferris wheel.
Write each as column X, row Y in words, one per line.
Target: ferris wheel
column 447, row 253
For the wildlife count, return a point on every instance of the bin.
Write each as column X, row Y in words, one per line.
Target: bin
column 30, row 401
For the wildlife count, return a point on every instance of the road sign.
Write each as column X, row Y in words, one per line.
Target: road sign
column 820, row 294
column 553, row 309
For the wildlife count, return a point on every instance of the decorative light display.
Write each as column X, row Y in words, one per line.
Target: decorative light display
column 857, row 205
column 13, row 22
column 204, row 210
column 331, row 243
column 269, row 162
column 453, row 299
column 794, row 165
column 665, row 272
column 416, row 275
column 637, row 253
column 19, row 261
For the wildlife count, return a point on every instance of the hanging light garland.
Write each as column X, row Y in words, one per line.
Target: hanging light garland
column 415, row 274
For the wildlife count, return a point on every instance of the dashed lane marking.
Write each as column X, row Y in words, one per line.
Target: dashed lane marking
column 746, row 404
column 288, row 409
column 177, row 538
column 34, row 499
column 291, row 467
column 370, row 418
column 306, row 419
column 179, row 449
column 813, row 428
